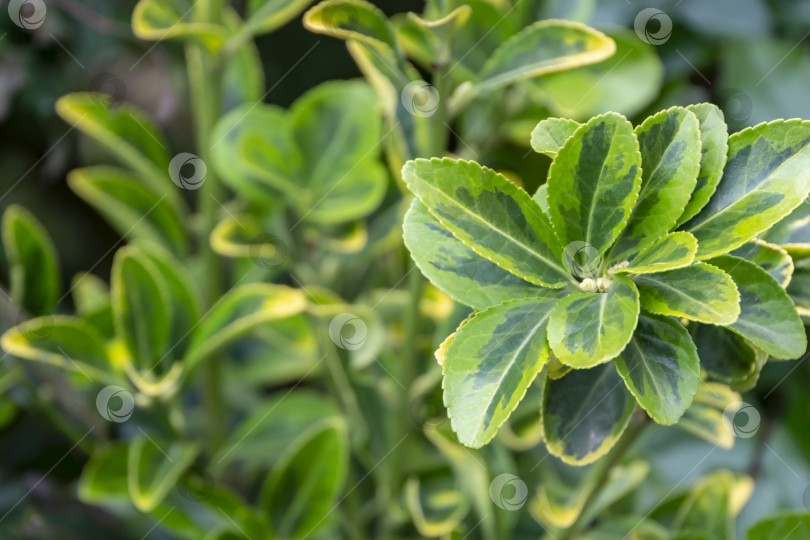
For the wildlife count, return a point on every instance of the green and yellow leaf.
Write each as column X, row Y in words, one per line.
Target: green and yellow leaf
column 700, row 293
column 770, row 257
column 594, row 182
column 490, row 215
column 489, row 365
column 587, row 329
column 768, row 318
column 713, row 153
column 545, row 47
column 670, row 160
column 454, row 268
column 671, row 251
column 585, row 413
column 660, row 367
column 766, row 177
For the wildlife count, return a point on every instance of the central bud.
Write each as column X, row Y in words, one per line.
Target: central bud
column 604, row 283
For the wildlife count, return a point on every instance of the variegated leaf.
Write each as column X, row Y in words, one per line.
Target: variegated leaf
column 713, row 150
column 587, row 329
column 457, row 270
column 726, row 356
column 768, row 318
column 799, row 292
column 770, row 257
column 671, row 251
column 490, row 215
column 545, row 47
column 766, row 177
column 670, row 160
column 594, row 182
column 550, row 134
column 700, row 293
column 585, row 413
column 706, row 417
column 490, row 364
column 660, row 367
column 793, row 232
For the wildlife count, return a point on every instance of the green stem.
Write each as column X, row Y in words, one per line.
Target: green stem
column 205, row 83
column 341, row 386
column 603, row 468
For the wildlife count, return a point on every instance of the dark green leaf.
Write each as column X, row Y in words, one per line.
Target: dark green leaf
column 585, row 413
column 33, row 262
column 299, row 495
column 660, row 367
column 768, row 319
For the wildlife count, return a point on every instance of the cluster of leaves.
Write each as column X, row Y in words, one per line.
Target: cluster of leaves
column 655, row 212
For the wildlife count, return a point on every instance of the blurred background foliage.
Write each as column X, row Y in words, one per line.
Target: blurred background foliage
column 751, row 57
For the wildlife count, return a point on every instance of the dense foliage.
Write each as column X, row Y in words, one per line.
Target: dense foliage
column 260, row 361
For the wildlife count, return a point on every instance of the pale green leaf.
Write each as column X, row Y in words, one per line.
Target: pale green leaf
column 153, row 468
column 67, row 342
column 436, row 503
column 267, row 15
column 238, row 312
column 141, row 308
column 129, row 206
column 127, row 133
column 156, row 20
column 550, row 134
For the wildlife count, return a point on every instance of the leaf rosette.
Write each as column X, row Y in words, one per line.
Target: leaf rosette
column 643, row 241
